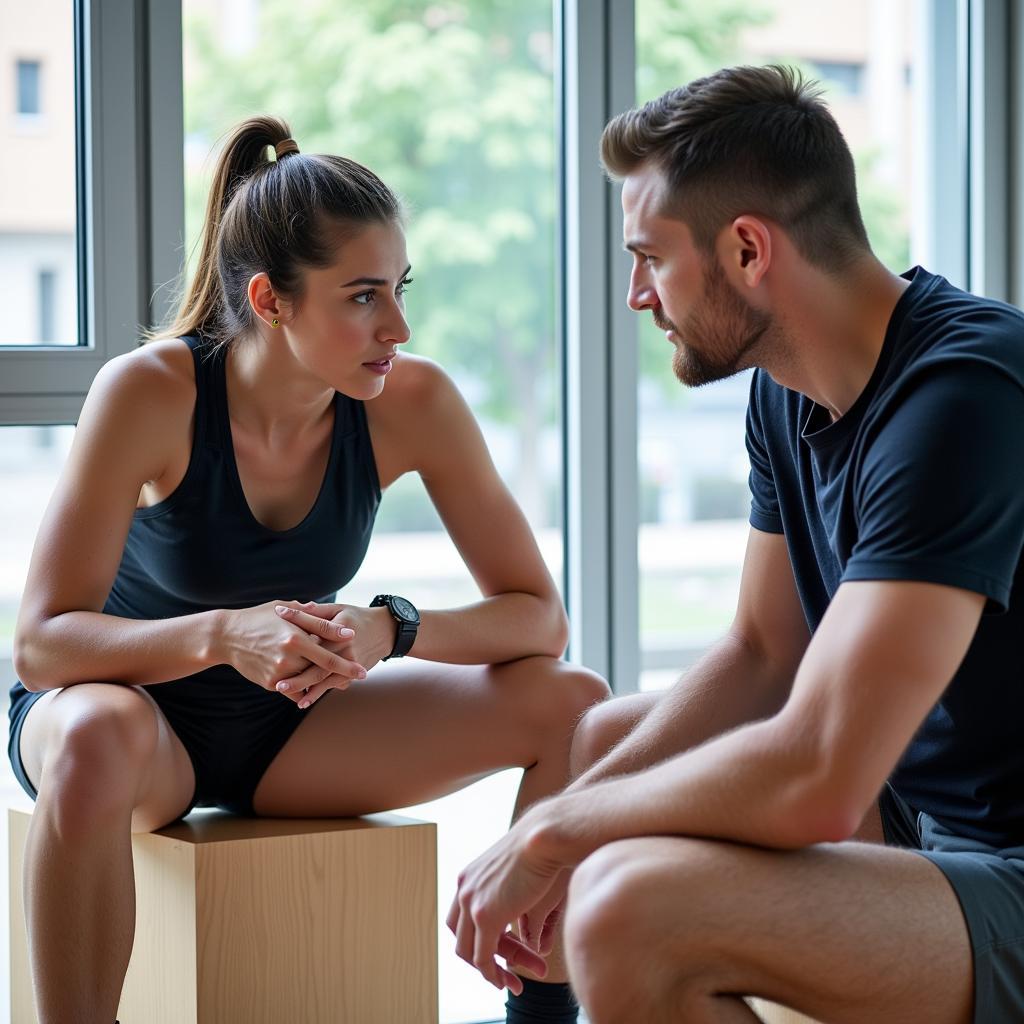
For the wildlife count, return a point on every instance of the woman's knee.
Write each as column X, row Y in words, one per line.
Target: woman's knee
column 556, row 693
column 585, row 689
column 98, row 752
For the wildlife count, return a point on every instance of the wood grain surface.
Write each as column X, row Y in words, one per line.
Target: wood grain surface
column 262, row 921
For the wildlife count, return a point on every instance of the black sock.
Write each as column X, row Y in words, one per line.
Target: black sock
column 542, row 1002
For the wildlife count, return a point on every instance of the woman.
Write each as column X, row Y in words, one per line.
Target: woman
column 176, row 640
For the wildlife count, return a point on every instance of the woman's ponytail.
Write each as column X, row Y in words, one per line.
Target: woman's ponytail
column 245, row 152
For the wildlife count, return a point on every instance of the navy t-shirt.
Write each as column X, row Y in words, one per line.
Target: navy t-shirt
column 921, row 479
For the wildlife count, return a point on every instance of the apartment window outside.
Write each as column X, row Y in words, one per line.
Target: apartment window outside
column 843, row 77
column 47, row 306
column 29, row 101
column 692, row 459
column 38, row 200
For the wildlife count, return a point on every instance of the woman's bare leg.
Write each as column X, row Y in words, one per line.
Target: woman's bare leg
column 416, row 732
column 105, row 763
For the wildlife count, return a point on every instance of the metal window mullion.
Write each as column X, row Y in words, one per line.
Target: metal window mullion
column 164, row 143
column 1016, row 149
column 600, row 407
column 940, row 193
column 988, row 147
column 623, row 371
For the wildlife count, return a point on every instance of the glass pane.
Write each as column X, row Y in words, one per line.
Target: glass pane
column 30, row 461
column 38, row 221
column 453, row 105
column 693, row 464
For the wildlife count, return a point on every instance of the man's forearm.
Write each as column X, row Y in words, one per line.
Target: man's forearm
column 729, row 686
column 755, row 785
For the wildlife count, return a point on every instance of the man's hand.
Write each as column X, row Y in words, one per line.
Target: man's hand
column 513, row 881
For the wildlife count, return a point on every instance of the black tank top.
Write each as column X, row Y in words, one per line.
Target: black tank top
column 202, row 548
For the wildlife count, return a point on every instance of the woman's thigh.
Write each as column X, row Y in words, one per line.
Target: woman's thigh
column 418, row 730
column 127, row 730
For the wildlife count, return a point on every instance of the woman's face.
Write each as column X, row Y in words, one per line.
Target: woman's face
column 351, row 319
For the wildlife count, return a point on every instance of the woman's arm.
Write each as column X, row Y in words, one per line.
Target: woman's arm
column 421, row 422
column 138, row 407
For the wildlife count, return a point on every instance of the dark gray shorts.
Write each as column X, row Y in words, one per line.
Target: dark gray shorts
column 989, row 883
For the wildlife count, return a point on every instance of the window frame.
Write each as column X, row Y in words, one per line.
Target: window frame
column 129, row 83
column 130, row 219
column 129, row 80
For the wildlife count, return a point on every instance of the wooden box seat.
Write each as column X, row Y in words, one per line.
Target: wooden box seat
column 262, row 921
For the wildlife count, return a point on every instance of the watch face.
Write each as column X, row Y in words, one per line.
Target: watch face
column 404, row 609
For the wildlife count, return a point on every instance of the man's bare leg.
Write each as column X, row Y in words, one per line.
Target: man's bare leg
column 671, row 929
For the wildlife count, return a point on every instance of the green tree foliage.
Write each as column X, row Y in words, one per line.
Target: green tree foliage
column 452, row 103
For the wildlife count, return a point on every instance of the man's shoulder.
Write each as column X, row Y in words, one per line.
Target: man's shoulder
column 956, row 323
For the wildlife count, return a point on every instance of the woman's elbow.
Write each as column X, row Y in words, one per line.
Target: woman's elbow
column 25, row 657
column 23, row 667
column 558, row 631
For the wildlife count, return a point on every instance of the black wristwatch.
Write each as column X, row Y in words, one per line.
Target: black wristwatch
column 407, row 618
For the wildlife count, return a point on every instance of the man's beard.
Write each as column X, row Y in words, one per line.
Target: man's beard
column 723, row 326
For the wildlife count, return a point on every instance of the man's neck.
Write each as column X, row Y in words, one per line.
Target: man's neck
column 835, row 328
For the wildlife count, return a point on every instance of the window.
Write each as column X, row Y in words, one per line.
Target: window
column 474, row 155
column 113, row 242
column 845, row 77
column 693, row 464
column 81, row 82
column 29, row 102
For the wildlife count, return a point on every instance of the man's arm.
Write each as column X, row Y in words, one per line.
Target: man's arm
column 879, row 661
column 744, row 677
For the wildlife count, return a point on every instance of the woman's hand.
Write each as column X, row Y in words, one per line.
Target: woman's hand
column 373, row 639
column 266, row 648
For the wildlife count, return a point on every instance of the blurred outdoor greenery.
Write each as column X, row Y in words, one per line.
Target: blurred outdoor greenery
column 453, row 104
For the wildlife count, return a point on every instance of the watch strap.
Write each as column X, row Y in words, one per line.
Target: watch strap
column 405, row 635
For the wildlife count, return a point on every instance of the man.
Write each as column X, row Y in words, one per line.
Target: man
column 828, row 810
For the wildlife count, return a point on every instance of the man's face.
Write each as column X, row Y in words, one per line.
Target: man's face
column 714, row 330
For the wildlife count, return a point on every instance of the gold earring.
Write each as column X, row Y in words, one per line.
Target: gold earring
column 275, row 322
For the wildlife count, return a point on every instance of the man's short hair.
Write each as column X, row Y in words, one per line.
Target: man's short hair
column 754, row 140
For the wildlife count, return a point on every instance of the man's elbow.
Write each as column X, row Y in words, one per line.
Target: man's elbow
column 823, row 814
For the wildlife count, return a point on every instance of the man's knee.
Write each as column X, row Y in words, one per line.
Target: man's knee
column 628, row 888
column 605, row 725
column 612, row 957
column 629, row 952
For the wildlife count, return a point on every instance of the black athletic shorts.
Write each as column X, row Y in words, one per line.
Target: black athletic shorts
column 231, row 728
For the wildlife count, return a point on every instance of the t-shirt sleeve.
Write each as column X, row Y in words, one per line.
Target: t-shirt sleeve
column 940, row 491
column 764, row 498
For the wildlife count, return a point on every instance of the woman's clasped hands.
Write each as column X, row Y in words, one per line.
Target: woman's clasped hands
column 302, row 650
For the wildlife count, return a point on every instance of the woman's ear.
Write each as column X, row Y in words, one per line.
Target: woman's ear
column 262, row 299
